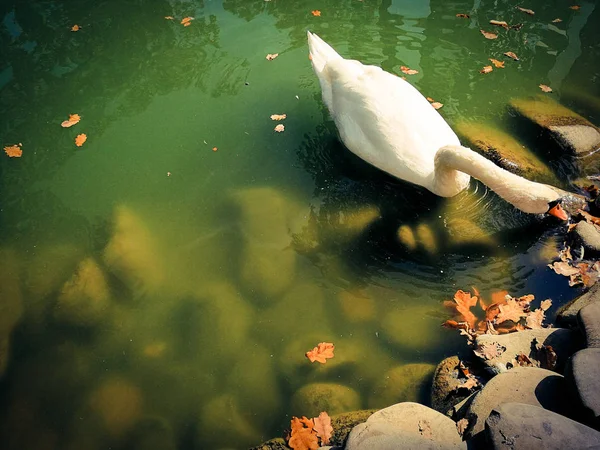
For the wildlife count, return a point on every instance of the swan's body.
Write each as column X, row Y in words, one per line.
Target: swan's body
column 387, row 122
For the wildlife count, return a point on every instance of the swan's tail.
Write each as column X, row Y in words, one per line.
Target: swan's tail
column 320, row 54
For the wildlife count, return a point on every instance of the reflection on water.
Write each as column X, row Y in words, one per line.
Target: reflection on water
column 158, row 294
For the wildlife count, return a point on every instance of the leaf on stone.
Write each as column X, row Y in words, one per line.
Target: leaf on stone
column 523, row 360
column 497, row 64
column 510, row 311
column 557, row 20
column 463, row 16
column 499, row 23
column 563, row 268
column 408, row 71
column 321, row 352
column 486, row 69
column 462, row 425
column 323, row 427
column 278, row 116
column 271, row 56
column 489, row 350
column 511, row 55
column 535, row 319
column 589, row 218
column 489, row 35
column 547, row 357
column 302, row 438
column 279, row 128
column 526, row 11
column 545, row 88
column 73, row 119
column 13, row 151
column 80, row 139
column 425, row 429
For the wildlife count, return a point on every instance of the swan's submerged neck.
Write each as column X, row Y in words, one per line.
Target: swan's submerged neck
column 525, row 195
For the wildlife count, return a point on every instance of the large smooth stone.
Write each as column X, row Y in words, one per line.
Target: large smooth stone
column 582, row 374
column 405, row 426
column 589, row 236
column 530, row 385
column 518, row 426
column 589, row 318
column 311, row 399
column 567, row 315
column 564, row 342
column 406, row 383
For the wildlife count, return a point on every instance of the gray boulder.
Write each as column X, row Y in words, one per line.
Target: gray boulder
column 582, row 375
column 405, row 426
column 589, row 235
column 530, row 385
column 589, row 318
column 518, row 426
column 567, row 315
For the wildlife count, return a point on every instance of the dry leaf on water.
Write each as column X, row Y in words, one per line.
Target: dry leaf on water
column 316, row 13
column 557, row 20
column 323, row 427
column 279, row 128
column 271, row 56
column 563, row 268
column 301, row 437
column 526, row 11
column 489, row 35
column 511, row 55
column 187, row 21
column 75, row 28
column 499, row 23
column 574, row 7
column 463, row 302
column 169, row 18
column 489, row 350
column 80, row 140
column 13, row 151
column 496, row 63
column 463, row 16
column 546, row 304
column 545, row 88
column 73, row 119
column 486, row 69
column 321, row 352
column 510, row 311
column 278, row 116
column 437, row 105
column 214, row 149
column 408, row 71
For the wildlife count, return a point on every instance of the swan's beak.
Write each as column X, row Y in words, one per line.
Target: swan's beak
column 558, row 211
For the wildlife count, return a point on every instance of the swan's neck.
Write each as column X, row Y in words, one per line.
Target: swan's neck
column 525, row 195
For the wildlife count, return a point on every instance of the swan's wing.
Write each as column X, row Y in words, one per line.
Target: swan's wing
column 386, row 121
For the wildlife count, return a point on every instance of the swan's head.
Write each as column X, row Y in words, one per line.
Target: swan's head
column 555, row 202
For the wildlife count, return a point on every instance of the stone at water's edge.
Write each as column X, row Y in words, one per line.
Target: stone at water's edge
column 563, row 341
column 529, row 385
column 405, row 425
column 518, row 426
column 589, row 318
column 567, row 315
column 505, row 151
column 582, row 376
column 444, row 389
column 334, row 398
column 588, row 235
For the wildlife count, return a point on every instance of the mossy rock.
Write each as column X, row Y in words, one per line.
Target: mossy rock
column 311, row 399
column 505, row 151
column 465, row 232
column 406, row 383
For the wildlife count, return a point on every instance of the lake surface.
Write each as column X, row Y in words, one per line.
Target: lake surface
column 163, row 281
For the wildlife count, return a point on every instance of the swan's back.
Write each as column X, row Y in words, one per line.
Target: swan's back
column 382, row 118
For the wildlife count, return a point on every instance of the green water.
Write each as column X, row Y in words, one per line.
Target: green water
column 205, row 275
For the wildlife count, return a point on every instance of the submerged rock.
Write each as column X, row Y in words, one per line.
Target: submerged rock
column 406, row 383
column 466, row 232
column 152, row 433
column 505, row 151
column 518, row 426
column 84, row 299
column 405, row 425
column 355, row 307
column 11, row 303
column 334, row 398
column 411, row 328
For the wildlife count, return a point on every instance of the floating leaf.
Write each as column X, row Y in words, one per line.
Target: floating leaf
column 321, row 352
column 545, row 304
column 303, row 437
column 526, row 11
column 279, row 128
column 563, row 268
column 486, row 69
column 437, row 105
column 489, row 35
column 499, row 23
column 574, row 7
column 271, row 56
column 278, row 116
column 187, row 21
column 214, row 149
column 557, row 20
column 408, row 71
column 511, row 55
column 497, row 64
column 545, row 88
column 80, row 140
column 13, row 151
column 323, row 427
column 316, row 13
column 169, row 18
column 463, row 304
column 463, row 16
column 75, row 28
column 73, row 119
column 510, row 311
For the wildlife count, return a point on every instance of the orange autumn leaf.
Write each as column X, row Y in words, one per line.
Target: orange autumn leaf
column 408, row 71
column 316, row 13
column 463, row 16
column 489, row 35
column 271, row 56
column 497, row 64
column 574, row 7
column 437, row 105
column 323, row 427
column 510, row 311
column 214, row 149
column 499, row 23
column 545, row 88
column 463, row 304
column 73, row 119
column 278, row 116
column 75, row 28
column 526, row 11
column 80, row 140
column 13, row 151
column 187, row 21
column 321, row 352
column 511, row 55
column 304, row 439
column 486, row 69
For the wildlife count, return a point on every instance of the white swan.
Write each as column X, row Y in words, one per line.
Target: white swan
column 387, row 122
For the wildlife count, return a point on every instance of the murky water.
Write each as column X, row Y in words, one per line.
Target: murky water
column 163, row 293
